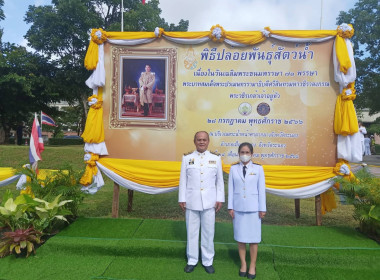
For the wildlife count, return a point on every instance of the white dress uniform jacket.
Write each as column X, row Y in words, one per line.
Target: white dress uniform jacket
column 201, row 182
column 246, row 194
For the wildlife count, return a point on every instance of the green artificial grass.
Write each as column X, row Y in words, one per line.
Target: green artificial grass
column 100, row 248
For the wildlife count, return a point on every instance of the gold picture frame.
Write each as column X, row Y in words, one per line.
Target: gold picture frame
column 128, row 64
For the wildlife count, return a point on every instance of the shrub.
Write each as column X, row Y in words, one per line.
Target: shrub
column 364, row 193
column 18, row 241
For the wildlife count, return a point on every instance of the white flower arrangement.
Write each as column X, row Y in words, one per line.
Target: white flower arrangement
column 348, row 92
column 345, row 27
column 87, row 157
column 344, row 169
column 217, row 33
column 157, row 32
column 98, row 34
column 265, row 33
column 92, row 101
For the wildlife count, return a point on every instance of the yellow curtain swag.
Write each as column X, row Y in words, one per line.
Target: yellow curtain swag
column 345, row 31
column 217, row 33
column 345, row 119
column 91, row 170
column 328, row 202
column 94, row 128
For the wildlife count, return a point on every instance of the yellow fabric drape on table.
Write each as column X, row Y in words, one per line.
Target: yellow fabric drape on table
column 342, row 54
column 166, row 173
column 328, row 201
column 6, row 173
column 345, row 119
column 159, row 174
column 94, row 129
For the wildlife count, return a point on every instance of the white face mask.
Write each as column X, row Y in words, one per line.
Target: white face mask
column 245, row 158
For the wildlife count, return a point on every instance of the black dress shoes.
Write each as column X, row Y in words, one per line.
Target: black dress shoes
column 251, row 276
column 210, row 269
column 189, row 268
column 242, row 274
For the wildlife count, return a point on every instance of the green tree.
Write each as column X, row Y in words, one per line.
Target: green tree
column 26, row 86
column 365, row 17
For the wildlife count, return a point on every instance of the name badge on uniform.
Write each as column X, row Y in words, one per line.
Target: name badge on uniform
column 212, row 162
column 252, row 173
column 191, row 161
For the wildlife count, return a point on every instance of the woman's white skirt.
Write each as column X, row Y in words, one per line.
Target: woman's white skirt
column 247, row 227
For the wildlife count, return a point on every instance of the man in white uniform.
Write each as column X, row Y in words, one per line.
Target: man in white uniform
column 201, row 194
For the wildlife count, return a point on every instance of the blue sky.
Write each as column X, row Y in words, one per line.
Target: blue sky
column 203, row 14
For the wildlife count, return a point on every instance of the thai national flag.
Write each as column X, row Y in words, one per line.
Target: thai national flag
column 36, row 142
column 46, row 119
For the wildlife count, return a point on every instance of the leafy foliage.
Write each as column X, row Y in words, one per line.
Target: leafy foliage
column 365, row 17
column 18, row 240
column 364, row 193
column 26, row 85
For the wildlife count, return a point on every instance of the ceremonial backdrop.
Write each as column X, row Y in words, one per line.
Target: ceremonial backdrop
column 279, row 96
column 288, row 92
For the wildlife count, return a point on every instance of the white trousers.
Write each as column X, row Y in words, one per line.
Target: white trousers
column 206, row 220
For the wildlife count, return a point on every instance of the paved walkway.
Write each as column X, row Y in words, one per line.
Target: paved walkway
column 371, row 162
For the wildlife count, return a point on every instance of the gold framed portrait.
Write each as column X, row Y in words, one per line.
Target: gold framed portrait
column 143, row 89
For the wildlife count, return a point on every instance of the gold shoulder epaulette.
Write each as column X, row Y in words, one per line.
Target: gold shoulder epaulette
column 235, row 163
column 185, row 154
column 215, row 153
column 255, row 163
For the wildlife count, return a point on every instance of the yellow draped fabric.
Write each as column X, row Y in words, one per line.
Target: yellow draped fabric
column 90, row 171
column 130, row 35
column 342, row 54
column 246, row 37
column 187, row 35
column 345, row 119
column 6, row 173
column 328, row 201
column 292, row 177
column 92, row 56
column 160, row 174
column 94, row 129
column 166, row 173
column 303, row 33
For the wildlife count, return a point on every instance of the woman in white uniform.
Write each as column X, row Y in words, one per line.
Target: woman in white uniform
column 247, row 206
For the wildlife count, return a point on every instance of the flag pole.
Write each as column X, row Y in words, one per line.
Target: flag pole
column 320, row 22
column 41, row 121
column 122, row 15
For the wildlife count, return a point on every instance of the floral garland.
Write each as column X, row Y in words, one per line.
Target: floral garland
column 345, row 30
column 217, row 33
column 99, row 36
column 94, row 102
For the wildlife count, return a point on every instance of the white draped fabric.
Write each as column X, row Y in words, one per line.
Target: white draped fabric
column 304, row 192
column 96, row 148
column 132, row 185
column 9, row 180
